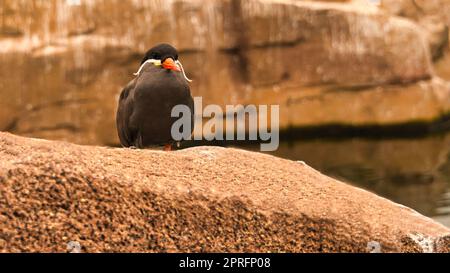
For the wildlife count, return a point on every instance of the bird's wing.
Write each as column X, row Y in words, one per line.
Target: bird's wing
column 127, row 134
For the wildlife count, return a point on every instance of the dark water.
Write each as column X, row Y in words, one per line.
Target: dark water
column 412, row 172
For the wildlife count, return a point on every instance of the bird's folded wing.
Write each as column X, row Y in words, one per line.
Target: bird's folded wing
column 127, row 134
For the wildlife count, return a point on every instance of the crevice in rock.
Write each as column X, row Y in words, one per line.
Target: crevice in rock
column 418, row 7
column 278, row 44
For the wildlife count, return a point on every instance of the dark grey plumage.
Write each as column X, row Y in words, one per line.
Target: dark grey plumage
column 145, row 104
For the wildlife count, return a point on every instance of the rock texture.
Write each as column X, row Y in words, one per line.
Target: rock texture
column 198, row 200
column 62, row 65
column 434, row 18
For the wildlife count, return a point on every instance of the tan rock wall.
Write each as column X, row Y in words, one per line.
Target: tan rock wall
column 62, row 67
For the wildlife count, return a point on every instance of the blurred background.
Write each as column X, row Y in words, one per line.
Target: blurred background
column 363, row 86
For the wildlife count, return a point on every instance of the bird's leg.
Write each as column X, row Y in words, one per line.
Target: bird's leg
column 168, row 147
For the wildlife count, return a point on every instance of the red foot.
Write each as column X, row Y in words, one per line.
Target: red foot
column 168, row 147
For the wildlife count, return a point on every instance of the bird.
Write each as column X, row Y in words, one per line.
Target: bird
column 145, row 104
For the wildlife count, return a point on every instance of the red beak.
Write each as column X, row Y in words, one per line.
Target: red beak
column 170, row 64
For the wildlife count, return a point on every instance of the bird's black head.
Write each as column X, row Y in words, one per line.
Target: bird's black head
column 168, row 56
column 161, row 52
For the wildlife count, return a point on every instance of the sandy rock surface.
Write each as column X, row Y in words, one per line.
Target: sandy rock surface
column 194, row 200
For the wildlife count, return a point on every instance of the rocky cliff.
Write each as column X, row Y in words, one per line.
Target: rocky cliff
column 63, row 63
column 205, row 199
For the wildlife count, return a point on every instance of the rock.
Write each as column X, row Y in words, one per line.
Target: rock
column 61, row 73
column 56, row 195
column 416, row 9
column 437, row 35
column 388, row 105
column 433, row 16
column 344, row 44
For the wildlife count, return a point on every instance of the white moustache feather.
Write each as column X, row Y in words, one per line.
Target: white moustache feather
column 158, row 63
